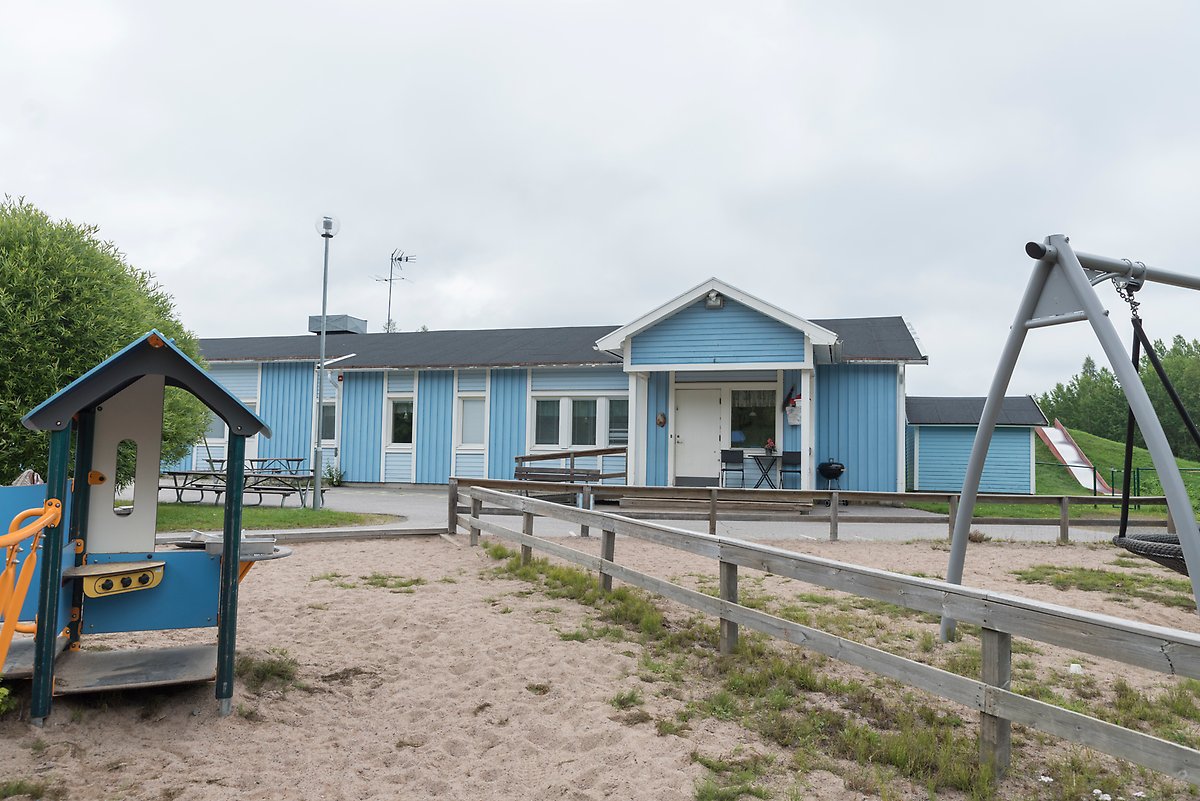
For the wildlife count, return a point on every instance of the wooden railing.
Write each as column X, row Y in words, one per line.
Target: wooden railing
column 570, row 473
column 795, row 501
column 999, row 617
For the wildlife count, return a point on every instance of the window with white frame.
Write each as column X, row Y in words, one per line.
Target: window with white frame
column 400, row 427
column 216, row 428
column 329, row 421
column 470, row 427
column 752, row 417
column 580, row 422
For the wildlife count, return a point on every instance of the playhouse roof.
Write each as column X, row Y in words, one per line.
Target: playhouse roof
column 1016, row 410
column 151, row 354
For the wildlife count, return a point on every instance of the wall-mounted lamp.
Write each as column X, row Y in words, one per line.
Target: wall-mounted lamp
column 714, row 300
column 661, row 419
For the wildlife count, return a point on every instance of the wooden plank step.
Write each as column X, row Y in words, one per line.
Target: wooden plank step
column 19, row 663
column 103, row 671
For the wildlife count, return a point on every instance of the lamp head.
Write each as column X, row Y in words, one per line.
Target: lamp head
column 328, row 227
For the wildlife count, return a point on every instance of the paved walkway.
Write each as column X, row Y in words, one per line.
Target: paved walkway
column 423, row 510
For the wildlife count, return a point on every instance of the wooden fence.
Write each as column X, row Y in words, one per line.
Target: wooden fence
column 999, row 616
column 800, row 501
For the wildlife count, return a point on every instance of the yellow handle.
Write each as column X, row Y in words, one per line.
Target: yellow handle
column 49, row 515
column 12, row 593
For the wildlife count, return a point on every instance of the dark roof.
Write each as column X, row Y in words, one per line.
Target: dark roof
column 863, row 338
column 869, row 338
column 1018, row 410
column 504, row 347
column 150, row 354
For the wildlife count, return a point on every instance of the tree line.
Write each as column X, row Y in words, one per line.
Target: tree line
column 1094, row 402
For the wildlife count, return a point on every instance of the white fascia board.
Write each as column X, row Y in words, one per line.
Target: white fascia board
column 718, row 366
column 615, row 340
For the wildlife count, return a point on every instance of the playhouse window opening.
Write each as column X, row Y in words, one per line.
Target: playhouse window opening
column 402, row 422
column 751, row 417
column 127, row 451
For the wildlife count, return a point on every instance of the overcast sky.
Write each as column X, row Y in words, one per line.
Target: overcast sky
column 557, row 163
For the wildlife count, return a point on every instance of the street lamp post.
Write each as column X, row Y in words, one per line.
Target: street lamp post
column 327, row 227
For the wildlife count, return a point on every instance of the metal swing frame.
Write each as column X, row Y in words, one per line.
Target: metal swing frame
column 1062, row 290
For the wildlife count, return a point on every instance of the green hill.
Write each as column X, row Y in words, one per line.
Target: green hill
column 1108, row 457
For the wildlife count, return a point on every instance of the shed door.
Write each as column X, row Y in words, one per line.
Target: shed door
column 697, row 436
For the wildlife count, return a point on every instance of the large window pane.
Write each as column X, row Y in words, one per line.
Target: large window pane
column 328, row 421
column 216, row 427
column 545, row 430
column 472, row 421
column 752, row 418
column 583, row 422
column 618, row 422
column 402, row 422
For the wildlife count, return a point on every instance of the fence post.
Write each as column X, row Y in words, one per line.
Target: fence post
column 995, row 733
column 452, row 503
column 608, row 547
column 476, row 508
column 729, row 592
column 712, row 512
column 1064, row 520
column 527, row 529
column 586, row 503
column 953, row 513
column 833, row 516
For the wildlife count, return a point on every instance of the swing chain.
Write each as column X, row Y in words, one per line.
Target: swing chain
column 1127, row 286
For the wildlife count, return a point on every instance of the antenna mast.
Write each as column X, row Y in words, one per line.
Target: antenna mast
column 399, row 257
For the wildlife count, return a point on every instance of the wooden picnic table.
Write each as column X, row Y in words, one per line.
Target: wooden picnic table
column 266, row 464
column 256, row 483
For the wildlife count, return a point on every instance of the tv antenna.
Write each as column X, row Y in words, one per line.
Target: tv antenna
column 399, row 258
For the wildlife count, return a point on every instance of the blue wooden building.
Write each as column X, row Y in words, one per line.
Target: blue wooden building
column 714, row 368
column 941, row 432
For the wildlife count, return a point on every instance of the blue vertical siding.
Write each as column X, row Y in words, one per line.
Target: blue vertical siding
column 362, row 425
column 506, row 426
column 910, row 457
column 241, row 378
column 733, row 334
column 568, row 379
column 398, row 466
column 658, row 397
column 434, row 421
column 944, row 451
column 472, row 380
column 856, row 423
column 287, row 405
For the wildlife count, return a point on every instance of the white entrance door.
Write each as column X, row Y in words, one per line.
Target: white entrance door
column 697, row 436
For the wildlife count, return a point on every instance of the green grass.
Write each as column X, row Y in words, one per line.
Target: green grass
column 276, row 669
column 21, row 787
column 1118, row 584
column 208, row 517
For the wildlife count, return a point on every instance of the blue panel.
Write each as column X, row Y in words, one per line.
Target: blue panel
column 186, row 598
column 183, row 463
column 856, row 424
column 472, row 380
column 241, row 378
column 506, row 424
column 401, row 381
column 469, row 464
column 569, row 379
column 615, row 464
column 658, row 392
column 397, row 467
column 13, row 501
column 735, row 333
column 286, row 406
column 362, row 425
column 944, row 451
column 204, row 453
column 435, row 408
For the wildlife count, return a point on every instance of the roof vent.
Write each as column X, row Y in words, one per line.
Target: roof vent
column 337, row 324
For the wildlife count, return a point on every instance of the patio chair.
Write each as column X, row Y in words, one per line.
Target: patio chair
column 732, row 461
column 789, row 462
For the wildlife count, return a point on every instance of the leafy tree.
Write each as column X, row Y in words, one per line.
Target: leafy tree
column 69, row 300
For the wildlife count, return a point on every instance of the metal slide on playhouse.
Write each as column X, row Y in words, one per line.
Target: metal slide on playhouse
column 1066, row 450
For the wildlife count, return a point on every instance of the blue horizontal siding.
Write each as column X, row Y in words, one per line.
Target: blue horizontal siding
column 240, row 379
column 287, row 405
column 472, row 380
column 944, row 450
column 400, row 381
column 568, row 379
column 434, row 421
column 506, row 424
column 856, row 424
column 362, row 425
column 468, row 464
column 614, row 464
column 397, row 467
column 733, row 334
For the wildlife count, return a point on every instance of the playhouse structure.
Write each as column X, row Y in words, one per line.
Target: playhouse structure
column 79, row 564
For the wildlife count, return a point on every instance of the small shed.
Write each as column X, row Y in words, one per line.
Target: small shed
column 941, row 432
